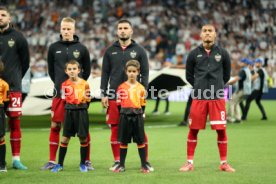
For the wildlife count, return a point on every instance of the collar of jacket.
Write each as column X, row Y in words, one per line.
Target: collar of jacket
column 75, row 40
column 212, row 48
column 117, row 43
column 10, row 29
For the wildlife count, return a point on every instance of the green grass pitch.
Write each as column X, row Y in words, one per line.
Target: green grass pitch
column 251, row 151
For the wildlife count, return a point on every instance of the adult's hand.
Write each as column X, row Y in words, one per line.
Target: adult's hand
column 105, row 102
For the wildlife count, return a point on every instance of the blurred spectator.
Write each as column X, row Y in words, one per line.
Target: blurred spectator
column 167, row 29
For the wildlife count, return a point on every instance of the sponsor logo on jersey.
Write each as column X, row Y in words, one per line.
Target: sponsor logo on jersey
column 113, row 53
column 199, row 55
column 11, row 42
column 133, row 54
column 76, row 54
column 58, row 52
column 218, row 57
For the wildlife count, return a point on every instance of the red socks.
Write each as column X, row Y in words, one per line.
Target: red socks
column 222, row 145
column 88, row 147
column 191, row 143
column 115, row 145
column 146, row 147
column 15, row 136
column 54, row 142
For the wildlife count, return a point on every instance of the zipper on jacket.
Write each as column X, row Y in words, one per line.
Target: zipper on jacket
column 208, row 66
column 67, row 54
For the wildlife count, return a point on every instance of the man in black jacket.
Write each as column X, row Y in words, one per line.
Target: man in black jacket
column 14, row 52
column 59, row 53
column 208, row 70
column 113, row 73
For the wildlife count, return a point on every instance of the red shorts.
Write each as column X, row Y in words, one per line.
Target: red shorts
column 58, row 110
column 201, row 108
column 15, row 104
column 112, row 113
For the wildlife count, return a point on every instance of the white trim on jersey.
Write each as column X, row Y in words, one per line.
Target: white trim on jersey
column 14, row 109
column 217, row 122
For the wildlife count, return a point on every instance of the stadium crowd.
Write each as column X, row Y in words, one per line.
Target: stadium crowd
column 167, row 29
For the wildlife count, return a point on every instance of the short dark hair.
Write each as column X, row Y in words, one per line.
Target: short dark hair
column 124, row 21
column 209, row 24
column 72, row 62
column 133, row 63
column 3, row 8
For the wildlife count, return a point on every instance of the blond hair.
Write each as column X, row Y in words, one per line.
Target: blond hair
column 68, row 19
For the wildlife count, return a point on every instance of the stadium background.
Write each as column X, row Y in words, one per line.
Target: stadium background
column 168, row 30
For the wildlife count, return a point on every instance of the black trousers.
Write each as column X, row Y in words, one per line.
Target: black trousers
column 257, row 95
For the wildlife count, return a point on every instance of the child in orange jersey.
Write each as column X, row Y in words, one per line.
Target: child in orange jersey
column 131, row 103
column 76, row 93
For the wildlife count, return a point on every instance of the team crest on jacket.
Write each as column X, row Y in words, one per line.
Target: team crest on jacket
column 133, row 54
column 76, row 54
column 11, row 42
column 218, row 57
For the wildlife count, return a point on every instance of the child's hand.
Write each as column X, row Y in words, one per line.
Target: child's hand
column 144, row 115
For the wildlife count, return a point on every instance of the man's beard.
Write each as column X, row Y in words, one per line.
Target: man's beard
column 124, row 39
column 2, row 26
column 208, row 41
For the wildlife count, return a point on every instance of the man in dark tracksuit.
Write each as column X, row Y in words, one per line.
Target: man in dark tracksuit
column 259, row 87
column 113, row 73
column 208, row 70
column 14, row 52
column 59, row 53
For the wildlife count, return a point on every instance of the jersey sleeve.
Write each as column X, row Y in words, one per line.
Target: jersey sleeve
column 106, row 68
column 242, row 75
column 143, row 97
column 6, row 96
column 50, row 61
column 24, row 54
column 226, row 67
column 87, row 92
column 144, row 68
column 190, row 64
column 86, row 66
column 261, row 74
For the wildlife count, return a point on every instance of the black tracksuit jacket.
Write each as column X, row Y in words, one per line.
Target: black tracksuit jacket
column 60, row 53
column 113, row 68
column 204, row 71
column 14, row 52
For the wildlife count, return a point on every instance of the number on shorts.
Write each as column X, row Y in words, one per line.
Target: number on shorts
column 15, row 102
column 222, row 115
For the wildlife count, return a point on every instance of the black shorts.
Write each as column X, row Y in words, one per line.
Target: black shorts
column 131, row 126
column 76, row 121
column 2, row 122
